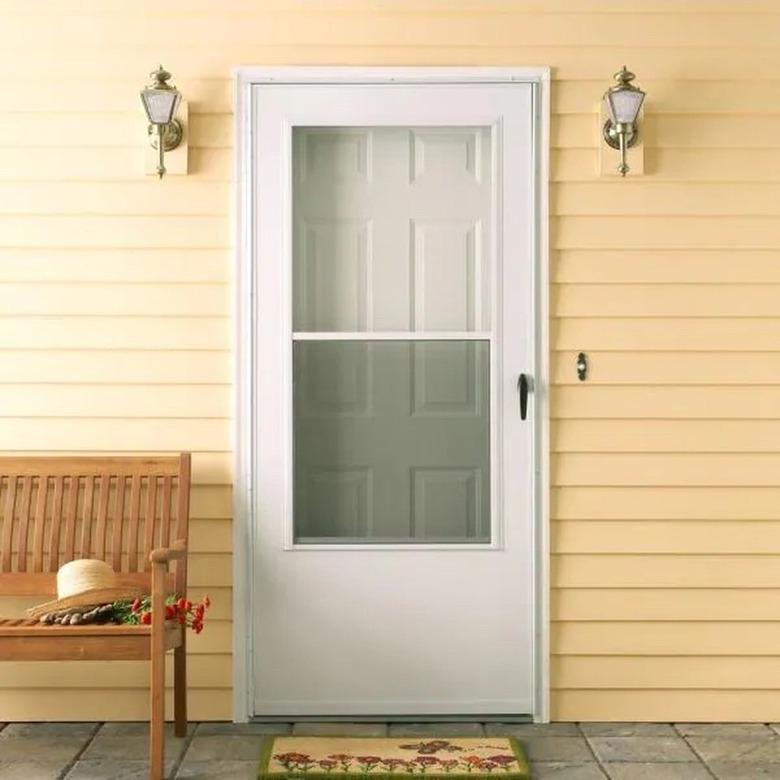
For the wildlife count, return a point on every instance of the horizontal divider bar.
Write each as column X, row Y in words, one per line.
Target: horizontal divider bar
column 400, row 335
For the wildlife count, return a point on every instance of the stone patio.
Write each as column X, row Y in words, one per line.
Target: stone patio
column 559, row 751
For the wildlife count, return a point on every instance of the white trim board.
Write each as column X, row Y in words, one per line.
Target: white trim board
column 245, row 340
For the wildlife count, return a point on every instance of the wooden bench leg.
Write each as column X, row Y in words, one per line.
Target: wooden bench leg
column 180, row 689
column 157, row 675
column 157, row 720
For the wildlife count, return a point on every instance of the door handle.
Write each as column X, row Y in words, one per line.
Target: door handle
column 523, row 386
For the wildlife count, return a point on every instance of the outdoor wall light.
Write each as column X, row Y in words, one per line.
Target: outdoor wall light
column 622, row 101
column 161, row 100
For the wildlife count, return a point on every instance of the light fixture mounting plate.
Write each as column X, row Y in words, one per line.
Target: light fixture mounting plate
column 612, row 137
column 172, row 135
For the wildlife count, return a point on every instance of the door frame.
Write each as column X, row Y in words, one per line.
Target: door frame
column 245, row 339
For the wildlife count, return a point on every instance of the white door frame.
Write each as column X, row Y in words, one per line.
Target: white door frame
column 245, row 432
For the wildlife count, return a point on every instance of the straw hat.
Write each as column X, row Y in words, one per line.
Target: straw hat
column 86, row 583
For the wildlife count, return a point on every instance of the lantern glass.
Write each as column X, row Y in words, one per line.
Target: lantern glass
column 160, row 104
column 624, row 104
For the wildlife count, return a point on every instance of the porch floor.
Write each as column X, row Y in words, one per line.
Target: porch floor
column 559, row 751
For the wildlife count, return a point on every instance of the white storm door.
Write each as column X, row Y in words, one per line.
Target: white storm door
column 394, row 547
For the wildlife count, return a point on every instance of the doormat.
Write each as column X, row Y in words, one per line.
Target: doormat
column 347, row 758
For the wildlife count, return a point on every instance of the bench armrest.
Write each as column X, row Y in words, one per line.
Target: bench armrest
column 160, row 559
column 165, row 554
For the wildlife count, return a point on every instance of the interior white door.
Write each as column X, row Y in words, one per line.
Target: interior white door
column 393, row 564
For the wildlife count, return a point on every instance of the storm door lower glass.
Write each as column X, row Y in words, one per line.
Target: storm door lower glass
column 391, row 441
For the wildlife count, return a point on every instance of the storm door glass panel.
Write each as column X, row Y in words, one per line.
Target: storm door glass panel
column 392, row 290
column 391, row 229
column 392, row 441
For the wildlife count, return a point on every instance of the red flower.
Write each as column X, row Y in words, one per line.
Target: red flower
column 426, row 760
column 294, row 760
column 135, row 606
column 298, row 758
column 368, row 762
column 394, row 763
column 170, row 612
column 502, row 760
column 146, row 618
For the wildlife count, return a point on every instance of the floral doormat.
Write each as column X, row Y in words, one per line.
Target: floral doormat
column 348, row 758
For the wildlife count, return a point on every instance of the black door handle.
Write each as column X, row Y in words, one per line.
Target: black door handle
column 522, row 384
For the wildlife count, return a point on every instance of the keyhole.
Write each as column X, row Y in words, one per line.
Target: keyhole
column 582, row 366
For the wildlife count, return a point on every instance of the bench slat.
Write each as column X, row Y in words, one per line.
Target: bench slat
column 118, row 523
column 150, row 520
column 55, row 524
column 135, row 512
column 40, row 522
column 103, row 495
column 24, row 523
column 28, row 626
column 77, row 643
column 71, row 507
column 7, row 541
column 165, row 535
column 85, row 548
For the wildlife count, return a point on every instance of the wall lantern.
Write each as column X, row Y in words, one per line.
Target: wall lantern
column 161, row 100
column 622, row 101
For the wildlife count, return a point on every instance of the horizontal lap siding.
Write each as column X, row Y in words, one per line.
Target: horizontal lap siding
column 116, row 305
column 665, row 518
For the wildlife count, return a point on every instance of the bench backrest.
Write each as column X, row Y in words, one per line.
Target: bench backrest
column 56, row 509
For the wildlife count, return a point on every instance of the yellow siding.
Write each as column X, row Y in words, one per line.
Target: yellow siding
column 116, row 302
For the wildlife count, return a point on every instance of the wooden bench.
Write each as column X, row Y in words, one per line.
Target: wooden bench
column 132, row 512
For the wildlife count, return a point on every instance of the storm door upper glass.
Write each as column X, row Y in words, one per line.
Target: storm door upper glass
column 391, row 229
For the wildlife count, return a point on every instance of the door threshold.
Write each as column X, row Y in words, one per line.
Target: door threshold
column 392, row 719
